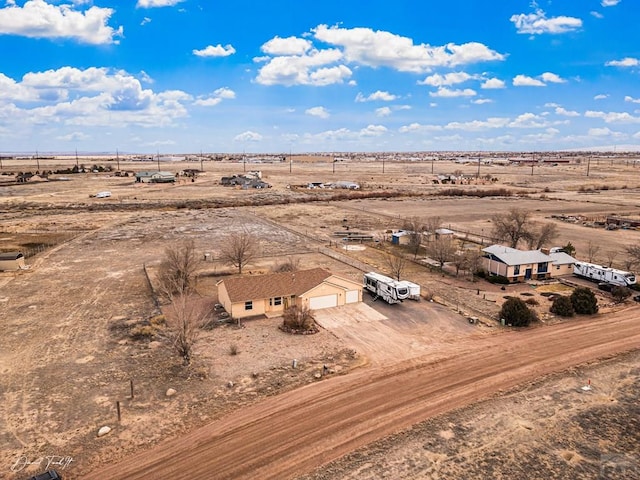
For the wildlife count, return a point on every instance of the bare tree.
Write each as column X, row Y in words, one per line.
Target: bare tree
column 512, row 226
column 431, row 225
column 396, row 265
column 546, row 234
column 592, row 251
column 611, row 257
column 632, row 256
column 442, row 249
column 298, row 318
column 460, row 261
column 239, row 249
column 177, row 274
column 414, row 227
column 186, row 316
column 474, row 261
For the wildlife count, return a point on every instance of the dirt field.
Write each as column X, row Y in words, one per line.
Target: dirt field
column 67, row 355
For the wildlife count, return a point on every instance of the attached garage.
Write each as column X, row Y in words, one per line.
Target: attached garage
column 325, row 301
column 353, row 296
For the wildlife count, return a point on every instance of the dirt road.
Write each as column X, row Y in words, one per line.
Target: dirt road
column 294, row 433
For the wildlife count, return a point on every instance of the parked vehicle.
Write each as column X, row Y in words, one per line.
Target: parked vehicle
column 103, row 194
column 48, row 475
column 602, row 274
column 390, row 290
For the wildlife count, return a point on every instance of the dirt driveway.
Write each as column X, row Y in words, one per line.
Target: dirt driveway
column 386, row 334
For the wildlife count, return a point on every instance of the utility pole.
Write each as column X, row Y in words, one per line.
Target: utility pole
column 431, row 164
column 118, row 159
column 158, row 158
column 290, row 161
column 201, row 164
column 533, row 161
column 588, row 164
column 382, row 164
column 77, row 158
column 37, row 161
column 244, row 162
column 478, row 174
column 334, row 165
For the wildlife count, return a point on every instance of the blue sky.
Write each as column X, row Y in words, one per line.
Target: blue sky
column 282, row 75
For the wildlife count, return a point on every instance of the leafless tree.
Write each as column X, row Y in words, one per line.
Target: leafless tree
column 474, row 261
column 298, row 318
column 442, row 249
column 592, row 251
column 431, row 225
column 544, row 235
column 611, row 257
column 238, row 249
column 396, row 265
column 186, row 316
column 632, row 256
column 291, row 264
column 511, row 226
column 414, row 227
column 178, row 270
column 460, row 261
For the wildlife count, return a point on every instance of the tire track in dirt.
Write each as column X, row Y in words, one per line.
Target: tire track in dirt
column 294, row 433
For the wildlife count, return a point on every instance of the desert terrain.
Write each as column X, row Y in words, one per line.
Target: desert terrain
column 68, row 355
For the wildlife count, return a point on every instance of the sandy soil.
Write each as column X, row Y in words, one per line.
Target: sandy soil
column 68, row 356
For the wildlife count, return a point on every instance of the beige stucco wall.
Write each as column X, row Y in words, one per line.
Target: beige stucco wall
column 563, row 270
column 498, row 268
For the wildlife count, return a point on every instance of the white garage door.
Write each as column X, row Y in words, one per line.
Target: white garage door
column 325, row 301
column 352, row 296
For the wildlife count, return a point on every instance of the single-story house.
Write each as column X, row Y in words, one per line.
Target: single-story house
column 155, row 177
column 10, row 261
column 517, row 265
column 444, row 232
column 401, row 237
column 562, row 262
column 252, row 295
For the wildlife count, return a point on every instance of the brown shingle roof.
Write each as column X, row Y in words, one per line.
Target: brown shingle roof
column 242, row 289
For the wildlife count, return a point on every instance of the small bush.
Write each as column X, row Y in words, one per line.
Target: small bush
column 620, row 294
column 498, row 279
column 143, row 332
column 515, row 312
column 562, row 307
column 531, row 301
column 233, row 349
column 584, row 301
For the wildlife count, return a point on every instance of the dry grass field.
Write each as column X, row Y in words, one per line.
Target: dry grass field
column 67, row 353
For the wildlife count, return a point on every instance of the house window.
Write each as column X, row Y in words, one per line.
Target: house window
column 248, row 305
column 277, row 301
column 516, row 270
column 542, row 267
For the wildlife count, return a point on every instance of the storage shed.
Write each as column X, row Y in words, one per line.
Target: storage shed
column 10, row 261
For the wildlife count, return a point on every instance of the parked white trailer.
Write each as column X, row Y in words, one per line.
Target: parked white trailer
column 390, row 290
column 604, row 274
column 414, row 289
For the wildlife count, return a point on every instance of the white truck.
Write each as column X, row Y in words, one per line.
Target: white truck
column 381, row 286
column 602, row 274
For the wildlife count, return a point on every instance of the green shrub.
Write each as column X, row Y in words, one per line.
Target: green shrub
column 620, row 294
column 531, row 301
column 515, row 312
column 498, row 279
column 584, row 301
column 562, row 307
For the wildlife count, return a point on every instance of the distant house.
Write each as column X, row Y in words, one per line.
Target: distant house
column 249, row 180
column 155, row 177
column 401, row 237
column 270, row 294
column 444, row 232
column 10, row 261
column 517, row 265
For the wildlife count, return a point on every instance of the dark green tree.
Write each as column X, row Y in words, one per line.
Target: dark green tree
column 562, row 306
column 584, row 301
column 569, row 249
column 620, row 294
column 515, row 312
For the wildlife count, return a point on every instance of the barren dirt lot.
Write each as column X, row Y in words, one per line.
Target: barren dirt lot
column 67, row 354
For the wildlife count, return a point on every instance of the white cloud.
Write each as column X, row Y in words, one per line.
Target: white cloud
column 417, row 127
column 595, row 14
column 493, row 83
column 600, row 132
column 365, row 46
column 307, row 69
column 73, row 137
column 319, row 112
column 378, row 95
column 448, row 79
column 566, row 113
column 609, row 3
column 537, row 23
column 481, row 101
column 613, row 117
column 625, row 62
column 90, row 97
column 631, row 99
column 525, row 81
column 552, row 78
column 157, row 3
column 373, row 131
column 383, row 112
column 248, row 136
column 449, row 93
column 529, row 120
column 144, row 21
column 601, row 96
column 38, row 19
column 217, row 51
column 477, row 125
column 286, row 46
column 215, row 98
